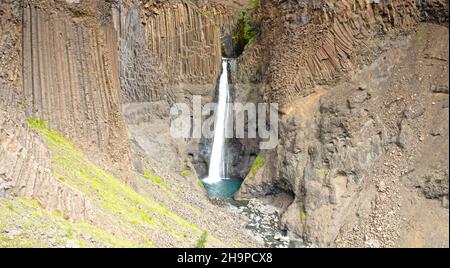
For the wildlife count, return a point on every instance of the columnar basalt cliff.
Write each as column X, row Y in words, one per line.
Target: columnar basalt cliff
column 185, row 41
column 142, row 77
column 70, row 65
column 325, row 39
column 64, row 70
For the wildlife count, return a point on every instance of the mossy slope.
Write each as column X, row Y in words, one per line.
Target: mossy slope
column 138, row 218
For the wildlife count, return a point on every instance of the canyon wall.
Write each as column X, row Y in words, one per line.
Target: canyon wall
column 71, row 75
column 325, row 39
column 142, row 77
column 59, row 64
column 332, row 85
column 185, row 42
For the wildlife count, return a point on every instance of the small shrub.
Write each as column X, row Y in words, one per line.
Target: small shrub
column 185, row 173
column 37, row 123
column 302, row 212
column 155, row 179
column 253, row 4
column 201, row 242
column 258, row 163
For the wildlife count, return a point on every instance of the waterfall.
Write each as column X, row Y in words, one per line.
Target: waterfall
column 217, row 163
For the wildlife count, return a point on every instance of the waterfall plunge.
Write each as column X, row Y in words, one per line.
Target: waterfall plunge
column 217, row 163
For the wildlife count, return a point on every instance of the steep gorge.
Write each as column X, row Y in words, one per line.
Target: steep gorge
column 337, row 78
column 85, row 145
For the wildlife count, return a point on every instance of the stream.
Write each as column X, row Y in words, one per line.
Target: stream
column 263, row 220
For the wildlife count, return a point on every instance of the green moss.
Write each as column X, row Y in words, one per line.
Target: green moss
column 421, row 34
column 302, row 212
column 155, row 179
column 5, row 242
column 72, row 230
column 201, row 242
column 252, row 5
column 200, row 184
column 69, row 234
column 35, row 220
column 258, row 163
column 10, row 206
column 245, row 33
column 58, row 212
column 185, row 173
column 222, row 50
column 36, row 123
column 72, row 168
column 64, row 214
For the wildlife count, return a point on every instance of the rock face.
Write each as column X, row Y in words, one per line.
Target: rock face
column 70, row 75
column 101, row 75
column 142, row 77
column 175, row 47
column 325, row 39
column 25, row 168
column 352, row 118
column 10, row 27
column 185, row 42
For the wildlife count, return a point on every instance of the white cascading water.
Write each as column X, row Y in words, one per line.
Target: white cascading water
column 216, row 163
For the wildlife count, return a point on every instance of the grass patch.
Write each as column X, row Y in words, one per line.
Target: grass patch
column 303, row 214
column 252, row 5
column 185, row 173
column 35, row 220
column 155, row 179
column 200, row 184
column 72, row 168
column 10, row 206
column 201, row 242
column 258, row 163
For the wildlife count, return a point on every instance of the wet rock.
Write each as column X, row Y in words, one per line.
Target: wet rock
column 263, row 224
